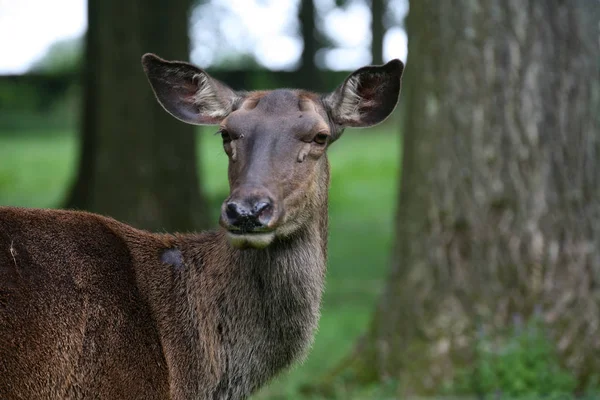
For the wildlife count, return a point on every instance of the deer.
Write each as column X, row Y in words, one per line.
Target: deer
column 94, row 308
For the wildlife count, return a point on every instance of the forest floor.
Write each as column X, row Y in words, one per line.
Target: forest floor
column 37, row 167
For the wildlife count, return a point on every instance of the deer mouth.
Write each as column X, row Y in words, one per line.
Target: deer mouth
column 250, row 239
column 244, row 236
column 250, row 219
column 241, row 230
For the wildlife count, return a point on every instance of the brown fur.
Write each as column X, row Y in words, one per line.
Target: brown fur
column 93, row 308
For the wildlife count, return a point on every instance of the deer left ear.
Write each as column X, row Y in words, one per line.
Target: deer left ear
column 188, row 92
column 368, row 96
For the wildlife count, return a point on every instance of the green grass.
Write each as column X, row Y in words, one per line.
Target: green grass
column 36, row 169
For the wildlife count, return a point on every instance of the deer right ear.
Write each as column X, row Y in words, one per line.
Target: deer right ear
column 187, row 92
column 367, row 96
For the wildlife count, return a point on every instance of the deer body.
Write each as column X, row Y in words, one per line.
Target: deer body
column 134, row 321
column 93, row 308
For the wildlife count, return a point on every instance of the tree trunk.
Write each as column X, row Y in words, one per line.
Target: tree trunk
column 377, row 31
column 137, row 163
column 499, row 209
column 309, row 73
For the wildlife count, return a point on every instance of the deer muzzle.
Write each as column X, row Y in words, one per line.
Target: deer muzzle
column 250, row 216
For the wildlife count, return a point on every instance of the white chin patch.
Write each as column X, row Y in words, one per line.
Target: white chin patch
column 254, row 240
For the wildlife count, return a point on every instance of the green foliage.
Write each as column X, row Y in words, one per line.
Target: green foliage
column 23, row 111
column 347, row 391
column 523, row 365
column 64, row 56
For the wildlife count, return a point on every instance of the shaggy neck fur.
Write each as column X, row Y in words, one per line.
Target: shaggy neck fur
column 259, row 308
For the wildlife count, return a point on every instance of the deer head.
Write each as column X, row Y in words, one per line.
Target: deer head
column 276, row 140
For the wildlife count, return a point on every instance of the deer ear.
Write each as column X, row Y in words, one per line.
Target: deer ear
column 368, row 96
column 187, row 92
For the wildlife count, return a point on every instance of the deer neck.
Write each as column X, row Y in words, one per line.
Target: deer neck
column 274, row 300
column 298, row 260
column 255, row 310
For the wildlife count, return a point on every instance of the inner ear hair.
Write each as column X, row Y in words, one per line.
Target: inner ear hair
column 207, row 98
column 349, row 106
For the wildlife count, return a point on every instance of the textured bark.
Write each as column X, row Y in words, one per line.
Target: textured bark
column 137, row 163
column 377, row 31
column 499, row 210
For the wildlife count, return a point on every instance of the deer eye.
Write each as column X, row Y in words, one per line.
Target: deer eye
column 321, row 138
column 225, row 136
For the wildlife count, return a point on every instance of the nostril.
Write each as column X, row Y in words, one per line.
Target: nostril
column 263, row 210
column 260, row 207
column 248, row 214
column 233, row 211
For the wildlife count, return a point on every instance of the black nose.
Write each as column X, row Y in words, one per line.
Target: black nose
column 250, row 214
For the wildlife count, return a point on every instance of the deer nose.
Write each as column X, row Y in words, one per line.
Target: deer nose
column 250, row 214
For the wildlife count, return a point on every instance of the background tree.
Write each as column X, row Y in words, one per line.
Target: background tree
column 499, row 209
column 137, row 163
column 309, row 77
column 377, row 30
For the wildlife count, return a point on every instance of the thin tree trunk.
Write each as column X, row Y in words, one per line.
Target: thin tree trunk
column 309, row 73
column 138, row 164
column 499, row 210
column 377, row 30
column 79, row 196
